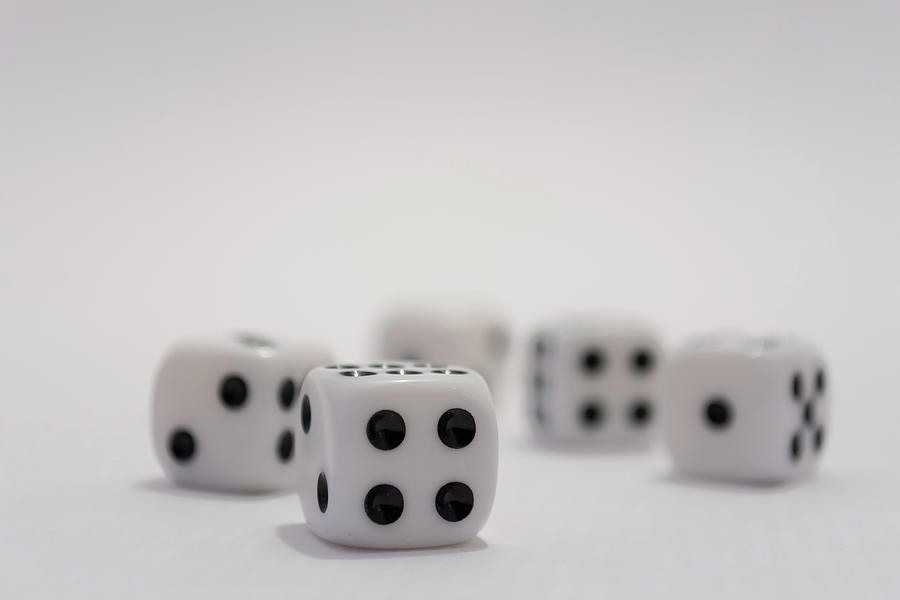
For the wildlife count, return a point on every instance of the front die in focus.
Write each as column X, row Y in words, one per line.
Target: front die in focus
column 396, row 456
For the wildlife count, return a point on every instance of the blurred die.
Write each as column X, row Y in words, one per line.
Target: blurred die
column 472, row 337
column 225, row 411
column 594, row 379
column 749, row 409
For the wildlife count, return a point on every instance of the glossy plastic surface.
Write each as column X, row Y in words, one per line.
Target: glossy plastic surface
column 397, row 457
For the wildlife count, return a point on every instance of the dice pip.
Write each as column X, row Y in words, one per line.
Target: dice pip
column 471, row 336
column 594, row 380
column 747, row 409
column 396, row 456
column 225, row 411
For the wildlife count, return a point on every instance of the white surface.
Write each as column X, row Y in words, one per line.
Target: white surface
column 168, row 168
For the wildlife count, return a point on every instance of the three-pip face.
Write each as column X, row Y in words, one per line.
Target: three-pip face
column 594, row 380
column 747, row 409
column 225, row 409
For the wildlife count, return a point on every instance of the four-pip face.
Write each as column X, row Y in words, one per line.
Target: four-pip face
column 747, row 409
column 594, row 380
column 396, row 455
column 225, row 409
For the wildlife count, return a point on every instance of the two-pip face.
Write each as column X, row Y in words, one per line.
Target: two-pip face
column 747, row 409
column 594, row 381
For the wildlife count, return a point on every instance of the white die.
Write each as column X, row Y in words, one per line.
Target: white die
column 473, row 337
column 594, row 380
column 747, row 409
column 394, row 456
column 225, row 411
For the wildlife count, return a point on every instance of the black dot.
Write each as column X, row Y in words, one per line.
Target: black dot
column 540, row 347
column 641, row 413
column 796, row 447
column 538, row 382
column 454, row 501
column 356, row 373
column 384, row 504
column 591, row 414
column 285, row 446
column 797, row 386
column 718, row 413
column 305, row 413
column 456, row 428
column 322, row 492
column 820, row 381
column 593, row 361
column 182, row 446
column 809, row 414
column 287, row 393
column 642, row 361
column 386, row 430
column 449, row 372
column 233, row 392
column 818, row 439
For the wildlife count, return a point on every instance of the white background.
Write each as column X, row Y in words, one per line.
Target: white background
column 169, row 167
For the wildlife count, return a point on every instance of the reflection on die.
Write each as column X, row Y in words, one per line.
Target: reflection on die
column 594, row 379
column 396, row 456
column 225, row 410
column 743, row 408
column 473, row 337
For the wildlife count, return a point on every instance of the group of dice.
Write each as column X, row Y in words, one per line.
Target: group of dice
column 733, row 406
column 403, row 453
